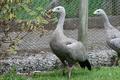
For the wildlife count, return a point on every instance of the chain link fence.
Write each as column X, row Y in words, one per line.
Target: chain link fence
column 34, row 42
column 96, row 35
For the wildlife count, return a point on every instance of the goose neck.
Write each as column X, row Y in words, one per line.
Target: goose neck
column 107, row 24
column 61, row 22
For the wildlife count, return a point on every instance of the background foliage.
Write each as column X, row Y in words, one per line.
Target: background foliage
column 36, row 6
column 20, row 15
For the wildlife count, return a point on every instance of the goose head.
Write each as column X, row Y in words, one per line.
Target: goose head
column 58, row 9
column 99, row 12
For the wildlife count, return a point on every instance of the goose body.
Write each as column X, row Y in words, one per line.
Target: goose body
column 68, row 50
column 113, row 34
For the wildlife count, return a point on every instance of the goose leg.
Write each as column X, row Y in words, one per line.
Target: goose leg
column 69, row 71
column 115, row 61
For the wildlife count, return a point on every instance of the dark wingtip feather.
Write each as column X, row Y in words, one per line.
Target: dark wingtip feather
column 85, row 64
column 88, row 65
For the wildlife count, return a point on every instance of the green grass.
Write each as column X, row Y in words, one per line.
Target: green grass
column 77, row 74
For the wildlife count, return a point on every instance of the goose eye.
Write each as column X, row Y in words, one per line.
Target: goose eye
column 58, row 8
column 98, row 11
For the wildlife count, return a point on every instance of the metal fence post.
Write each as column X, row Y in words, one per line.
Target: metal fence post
column 83, row 17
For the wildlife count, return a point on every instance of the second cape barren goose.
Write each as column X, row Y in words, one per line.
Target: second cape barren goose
column 68, row 50
column 113, row 35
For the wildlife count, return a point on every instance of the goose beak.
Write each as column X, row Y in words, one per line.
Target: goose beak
column 94, row 12
column 49, row 13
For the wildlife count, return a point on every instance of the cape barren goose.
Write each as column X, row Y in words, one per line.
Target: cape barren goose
column 113, row 35
column 68, row 50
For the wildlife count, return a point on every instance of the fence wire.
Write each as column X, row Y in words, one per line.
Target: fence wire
column 96, row 34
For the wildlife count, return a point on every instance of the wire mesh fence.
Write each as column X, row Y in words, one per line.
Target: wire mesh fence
column 96, row 34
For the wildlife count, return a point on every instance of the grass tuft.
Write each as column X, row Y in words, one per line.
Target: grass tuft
column 104, row 73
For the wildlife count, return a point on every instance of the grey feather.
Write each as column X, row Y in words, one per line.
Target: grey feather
column 66, row 49
column 113, row 34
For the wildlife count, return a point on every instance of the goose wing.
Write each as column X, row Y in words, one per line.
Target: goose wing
column 115, row 42
column 76, row 50
column 113, row 33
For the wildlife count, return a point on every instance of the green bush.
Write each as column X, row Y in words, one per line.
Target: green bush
column 37, row 6
column 71, row 6
column 93, row 5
